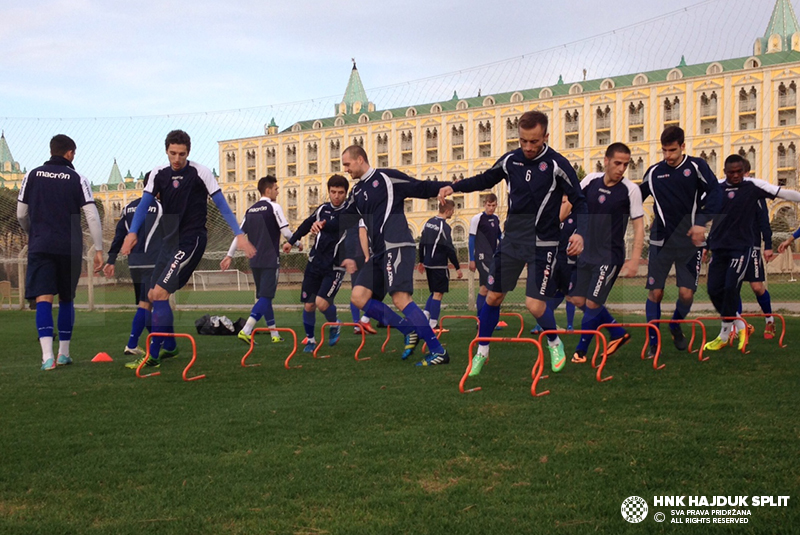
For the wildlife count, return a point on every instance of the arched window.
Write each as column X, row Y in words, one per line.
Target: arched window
column 317, row 125
column 386, row 115
column 462, row 105
column 516, row 97
column 576, row 89
column 488, row 101
column 640, row 79
column 674, row 74
column 546, row 93
column 411, row 112
column 607, row 84
column 339, row 121
column 363, row 118
column 296, row 127
column 436, row 108
column 672, row 111
column 714, row 68
column 459, row 234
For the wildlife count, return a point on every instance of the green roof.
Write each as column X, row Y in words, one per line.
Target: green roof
column 560, row 88
column 5, row 152
column 355, row 91
column 115, row 177
column 783, row 22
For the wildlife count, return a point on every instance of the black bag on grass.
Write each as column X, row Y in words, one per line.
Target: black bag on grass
column 218, row 325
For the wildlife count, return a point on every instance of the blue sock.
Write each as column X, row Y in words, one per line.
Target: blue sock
column 263, row 309
column 44, row 319
column 479, row 302
column 652, row 312
column 330, row 314
column 379, row 311
column 554, row 302
column 435, row 309
column 66, row 319
column 355, row 313
column 606, row 317
column 148, row 320
column 415, row 316
column 170, row 342
column 428, row 303
column 682, row 310
column 591, row 319
column 764, row 302
column 570, row 315
column 739, row 306
column 162, row 323
column 547, row 322
column 309, row 320
column 137, row 326
column 488, row 316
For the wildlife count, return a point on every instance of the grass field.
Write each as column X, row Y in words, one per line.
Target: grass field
column 380, row 446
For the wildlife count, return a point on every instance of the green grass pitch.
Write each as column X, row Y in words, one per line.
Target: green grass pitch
column 381, row 446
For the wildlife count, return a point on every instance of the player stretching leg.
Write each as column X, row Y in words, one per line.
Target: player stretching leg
column 731, row 241
column 184, row 188
column 377, row 199
column 323, row 275
column 678, row 231
column 537, row 178
column 612, row 200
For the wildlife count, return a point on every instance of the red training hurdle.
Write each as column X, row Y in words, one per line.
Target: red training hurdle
column 269, row 329
column 185, row 370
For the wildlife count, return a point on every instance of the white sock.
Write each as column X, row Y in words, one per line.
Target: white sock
column 739, row 324
column 433, row 323
column 272, row 331
column 483, row 350
column 554, row 343
column 311, row 341
column 769, row 319
column 63, row 347
column 47, row 347
column 364, row 319
column 725, row 332
column 249, row 326
column 427, row 314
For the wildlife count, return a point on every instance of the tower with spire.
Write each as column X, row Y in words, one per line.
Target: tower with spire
column 10, row 173
column 355, row 97
column 115, row 177
column 783, row 32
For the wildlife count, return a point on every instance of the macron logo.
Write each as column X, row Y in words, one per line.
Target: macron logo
column 60, row 176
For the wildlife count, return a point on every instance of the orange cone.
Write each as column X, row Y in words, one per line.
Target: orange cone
column 102, row 357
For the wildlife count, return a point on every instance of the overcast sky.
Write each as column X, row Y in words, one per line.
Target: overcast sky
column 95, row 59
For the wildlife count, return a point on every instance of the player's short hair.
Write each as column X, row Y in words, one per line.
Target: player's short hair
column 354, row 151
column 61, row 144
column 672, row 134
column 146, row 179
column 448, row 204
column 178, row 137
column 490, row 198
column 746, row 164
column 266, row 182
column 735, row 158
column 338, row 181
column 617, row 147
column 532, row 119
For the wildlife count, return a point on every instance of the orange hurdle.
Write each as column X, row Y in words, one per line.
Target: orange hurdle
column 536, row 371
column 331, row 324
column 269, row 329
column 597, row 335
column 518, row 316
column 783, row 324
column 731, row 318
column 388, row 336
column 646, row 327
column 185, row 370
column 694, row 323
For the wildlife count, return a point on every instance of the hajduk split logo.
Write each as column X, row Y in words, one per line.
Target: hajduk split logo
column 634, row 509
